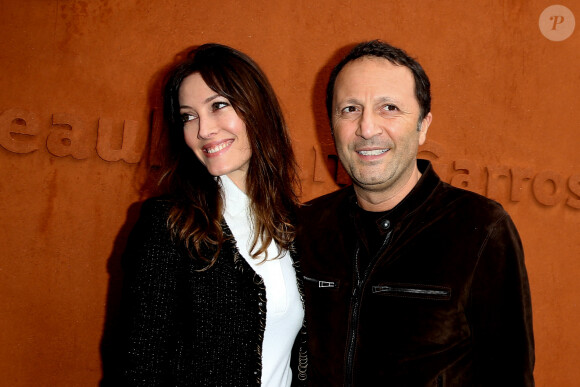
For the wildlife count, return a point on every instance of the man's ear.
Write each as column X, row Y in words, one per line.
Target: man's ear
column 424, row 127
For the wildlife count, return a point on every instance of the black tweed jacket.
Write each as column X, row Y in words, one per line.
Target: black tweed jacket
column 185, row 327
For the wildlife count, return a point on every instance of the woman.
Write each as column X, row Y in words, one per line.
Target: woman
column 211, row 291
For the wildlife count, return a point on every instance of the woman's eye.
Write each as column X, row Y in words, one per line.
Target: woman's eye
column 219, row 105
column 185, row 117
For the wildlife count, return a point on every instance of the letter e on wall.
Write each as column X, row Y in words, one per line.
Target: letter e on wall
column 18, row 130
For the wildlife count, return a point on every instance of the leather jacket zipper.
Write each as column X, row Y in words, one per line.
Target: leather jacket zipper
column 321, row 284
column 355, row 307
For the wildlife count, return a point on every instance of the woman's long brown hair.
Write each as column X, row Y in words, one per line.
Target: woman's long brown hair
column 195, row 219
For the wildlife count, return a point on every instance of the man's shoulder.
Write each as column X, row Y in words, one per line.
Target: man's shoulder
column 471, row 203
column 325, row 212
column 333, row 199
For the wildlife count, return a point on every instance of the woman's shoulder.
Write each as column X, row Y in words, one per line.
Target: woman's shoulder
column 155, row 208
column 152, row 219
column 157, row 203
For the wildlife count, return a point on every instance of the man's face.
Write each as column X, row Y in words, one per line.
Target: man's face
column 375, row 118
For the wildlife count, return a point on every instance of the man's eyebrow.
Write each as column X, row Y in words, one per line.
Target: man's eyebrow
column 351, row 100
column 386, row 99
column 377, row 99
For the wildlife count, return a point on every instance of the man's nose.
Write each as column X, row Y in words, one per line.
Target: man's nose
column 368, row 125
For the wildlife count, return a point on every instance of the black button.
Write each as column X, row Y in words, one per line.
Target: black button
column 385, row 224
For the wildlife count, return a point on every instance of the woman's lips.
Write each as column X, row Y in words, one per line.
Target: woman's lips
column 211, row 149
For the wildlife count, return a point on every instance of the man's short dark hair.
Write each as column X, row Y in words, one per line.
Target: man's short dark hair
column 379, row 49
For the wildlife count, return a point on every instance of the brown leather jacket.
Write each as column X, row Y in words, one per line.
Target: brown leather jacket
column 445, row 301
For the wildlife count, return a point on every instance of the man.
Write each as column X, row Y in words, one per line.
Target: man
column 408, row 281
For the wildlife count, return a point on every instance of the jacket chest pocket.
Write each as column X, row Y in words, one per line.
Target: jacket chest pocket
column 415, row 318
column 429, row 292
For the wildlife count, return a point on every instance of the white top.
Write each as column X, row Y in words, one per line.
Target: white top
column 284, row 311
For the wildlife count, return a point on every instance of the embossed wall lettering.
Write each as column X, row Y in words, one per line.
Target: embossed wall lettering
column 574, row 187
column 503, row 183
column 18, row 130
column 469, row 176
column 519, row 177
column 129, row 149
column 68, row 135
column 547, row 188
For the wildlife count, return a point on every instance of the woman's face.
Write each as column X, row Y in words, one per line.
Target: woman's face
column 214, row 131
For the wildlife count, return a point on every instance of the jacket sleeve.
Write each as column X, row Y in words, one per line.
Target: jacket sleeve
column 500, row 311
column 148, row 303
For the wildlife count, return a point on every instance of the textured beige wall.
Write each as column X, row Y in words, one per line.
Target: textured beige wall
column 75, row 73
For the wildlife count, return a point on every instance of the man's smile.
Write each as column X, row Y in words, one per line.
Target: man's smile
column 373, row 152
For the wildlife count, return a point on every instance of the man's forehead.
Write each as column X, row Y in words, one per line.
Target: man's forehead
column 374, row 72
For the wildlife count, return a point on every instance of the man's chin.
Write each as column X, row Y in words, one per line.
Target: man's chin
column 372, row 185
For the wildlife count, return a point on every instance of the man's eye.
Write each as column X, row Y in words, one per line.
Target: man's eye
column 349, row 109
column 391, row 108
column 185, row 117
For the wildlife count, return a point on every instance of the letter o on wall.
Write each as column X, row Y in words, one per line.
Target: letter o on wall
column 541, row 188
